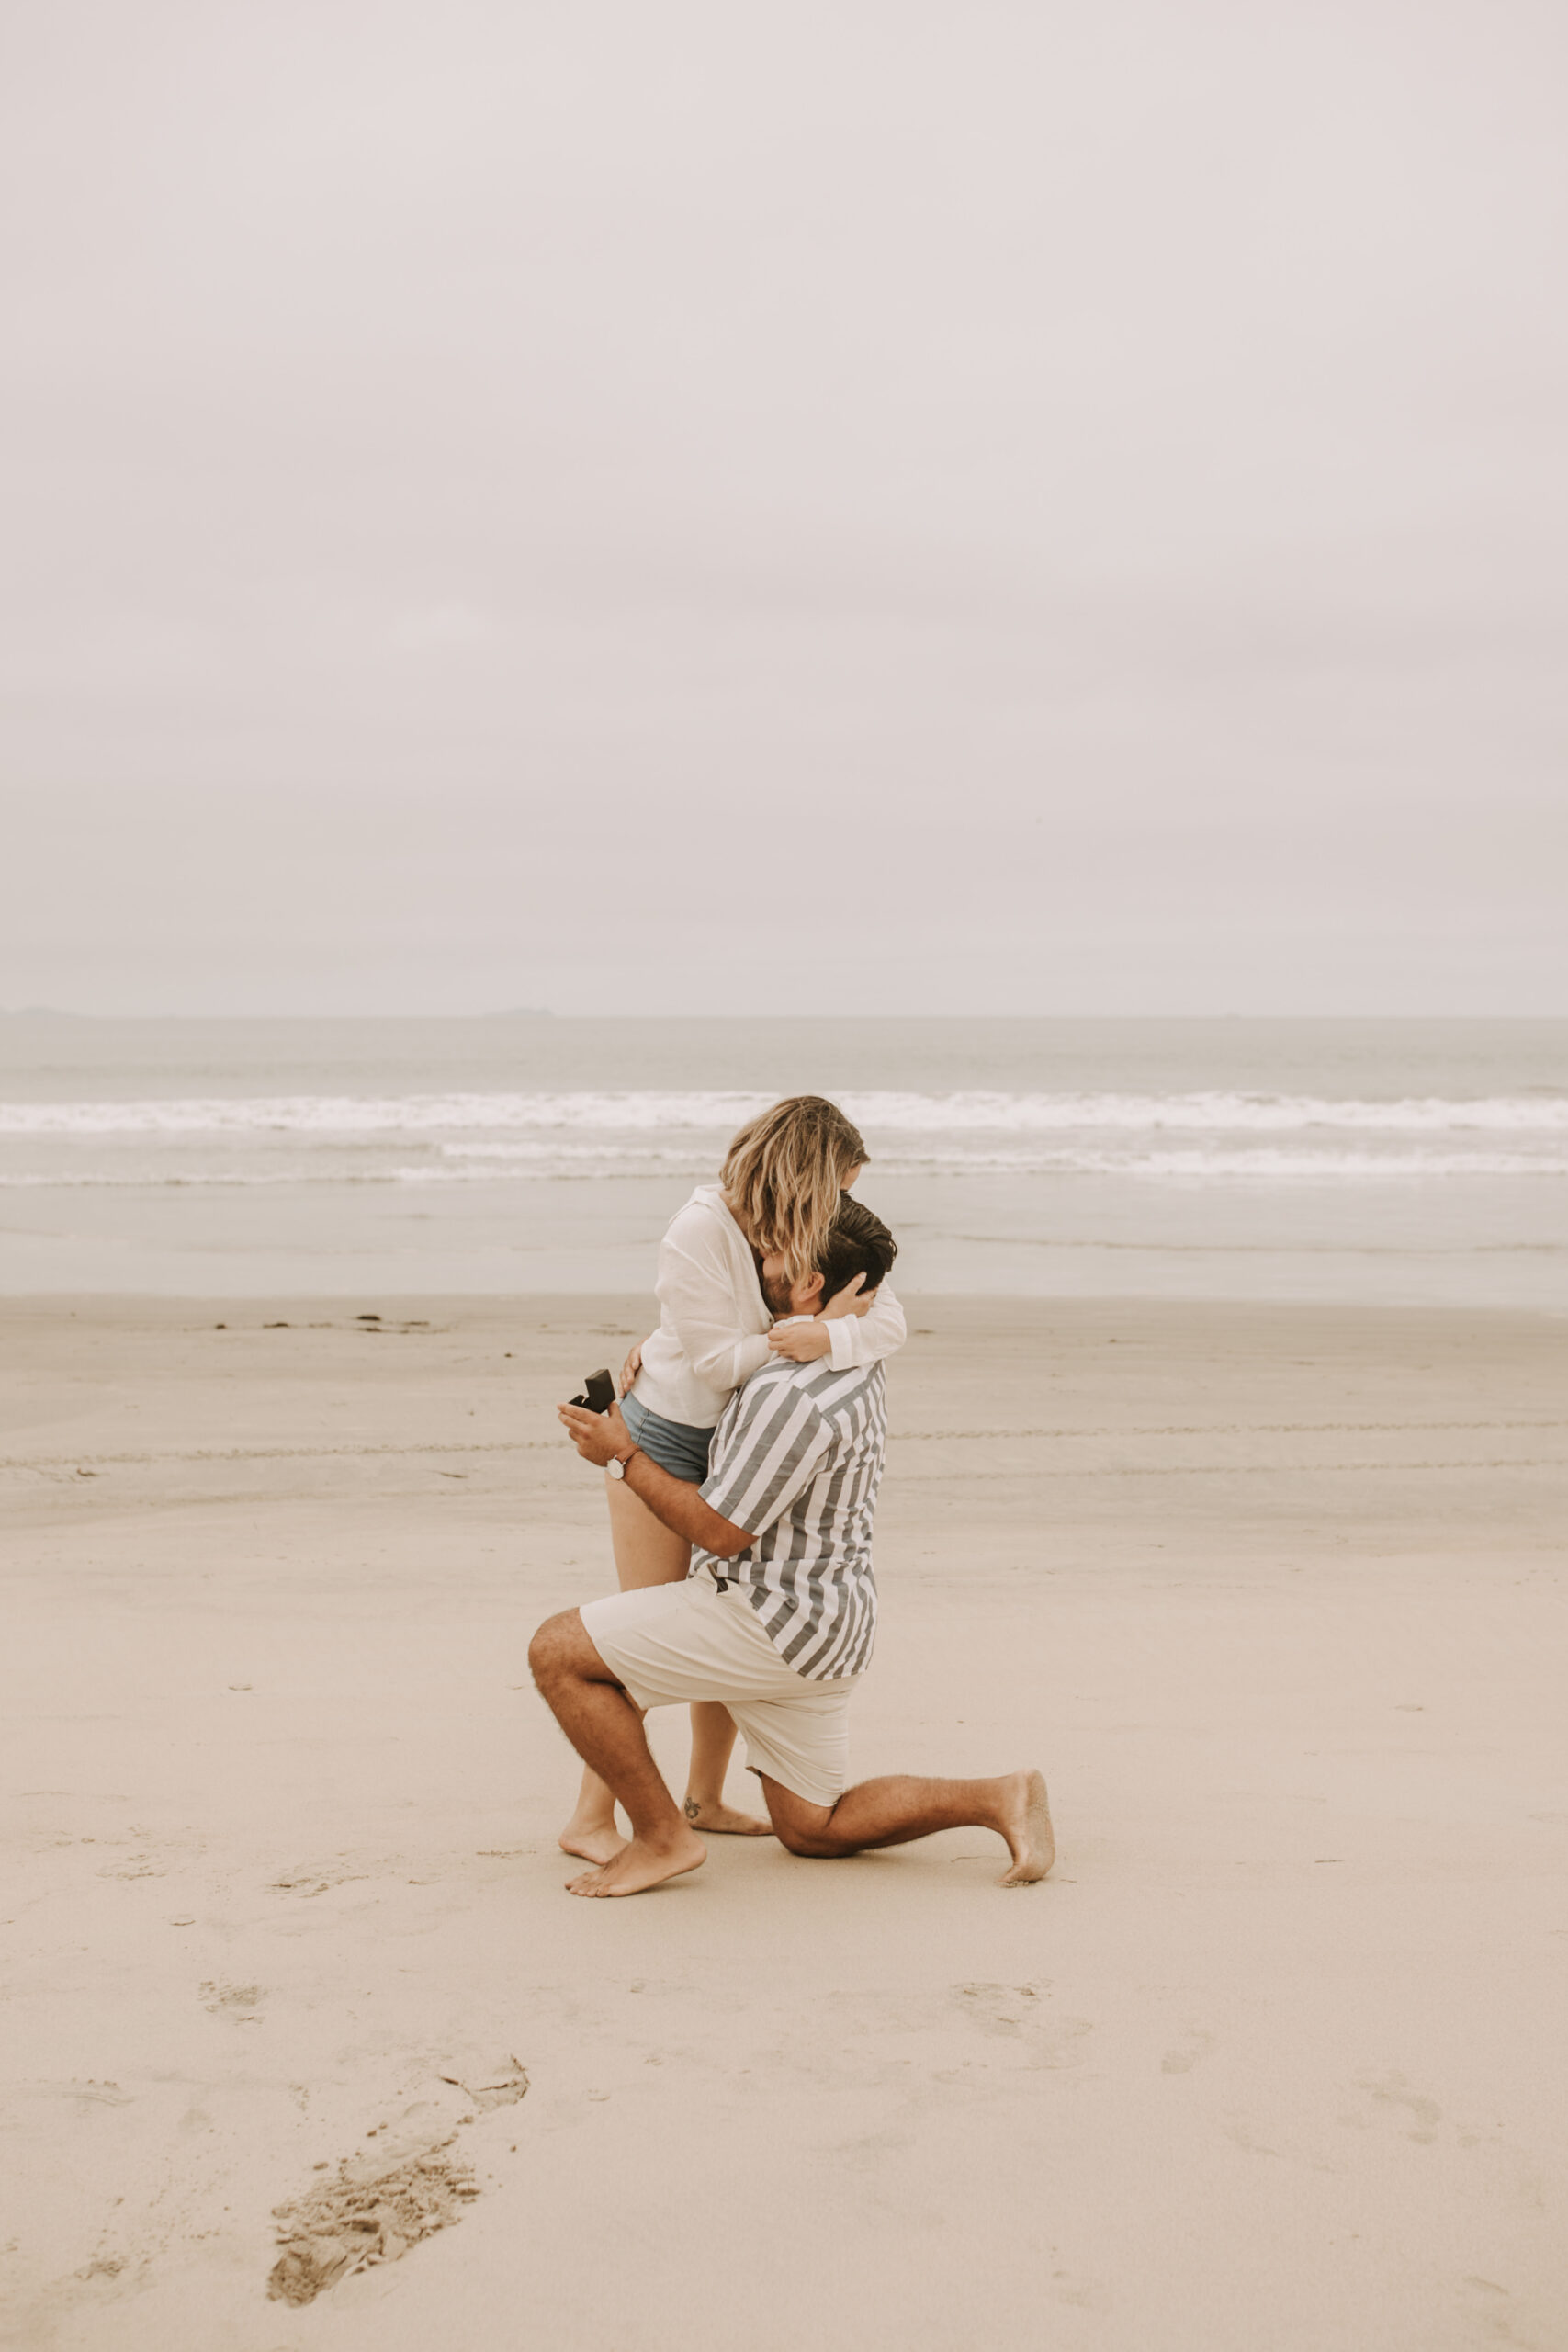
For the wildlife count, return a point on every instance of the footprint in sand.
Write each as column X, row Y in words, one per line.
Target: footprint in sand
column 1020, row 2013
column 1424, row 2114
column 1000, row 2008
column 362, row 2217
column 318, row 1882
column 378, row 2204
column 1195, row 2044
column 1083, row 2294
column 501, row 2082
column 241, row 2002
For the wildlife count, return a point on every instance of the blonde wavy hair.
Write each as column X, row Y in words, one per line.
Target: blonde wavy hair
column 783, row 1177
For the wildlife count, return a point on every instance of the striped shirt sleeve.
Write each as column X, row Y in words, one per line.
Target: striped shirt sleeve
column 767, row 1458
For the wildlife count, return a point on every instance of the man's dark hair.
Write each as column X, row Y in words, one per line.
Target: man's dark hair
column 858, row 1243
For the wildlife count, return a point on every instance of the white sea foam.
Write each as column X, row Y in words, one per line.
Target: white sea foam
column 889, row 1114
column 1397, row 1161
column 1064, row 1159
column 1263, row 1165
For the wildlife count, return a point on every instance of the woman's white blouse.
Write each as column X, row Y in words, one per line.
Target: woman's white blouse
column 714, row 1322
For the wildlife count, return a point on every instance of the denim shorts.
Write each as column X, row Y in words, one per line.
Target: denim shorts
column 676, row 1446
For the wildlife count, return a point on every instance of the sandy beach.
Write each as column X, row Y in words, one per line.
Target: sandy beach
column 1275, row 1596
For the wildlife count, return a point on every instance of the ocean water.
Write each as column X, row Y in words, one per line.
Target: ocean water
column 1408, row 1162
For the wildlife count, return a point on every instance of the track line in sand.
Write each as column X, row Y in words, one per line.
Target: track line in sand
column 1248, row 1469
column 1124, row 1432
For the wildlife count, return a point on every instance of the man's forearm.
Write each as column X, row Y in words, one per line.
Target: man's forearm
column 682, row 1508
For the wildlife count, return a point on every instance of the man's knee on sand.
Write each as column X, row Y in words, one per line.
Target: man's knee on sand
column 802, row 1828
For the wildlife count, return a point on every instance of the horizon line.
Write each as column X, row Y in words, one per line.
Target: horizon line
column 549, row 1012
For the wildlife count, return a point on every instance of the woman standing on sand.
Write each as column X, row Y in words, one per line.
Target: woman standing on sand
column 777, row 1197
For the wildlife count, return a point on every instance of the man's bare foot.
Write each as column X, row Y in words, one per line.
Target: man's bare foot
column 591, row 1845
column 637, row 1867
column 722, row 1820
column 1026, row 1825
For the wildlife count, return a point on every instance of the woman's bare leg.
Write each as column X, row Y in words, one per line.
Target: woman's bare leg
column 713, row 1736
column 646, row 1552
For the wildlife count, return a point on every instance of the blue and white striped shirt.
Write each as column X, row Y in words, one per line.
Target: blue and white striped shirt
column 797, row 1461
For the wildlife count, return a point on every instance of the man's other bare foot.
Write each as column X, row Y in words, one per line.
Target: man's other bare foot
column 593, row 1843
column 637, row 1867
column 1026, row 1825
column 718, row 1819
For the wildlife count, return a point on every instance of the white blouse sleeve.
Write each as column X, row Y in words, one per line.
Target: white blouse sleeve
column 855, row 1340
column 696, row 1290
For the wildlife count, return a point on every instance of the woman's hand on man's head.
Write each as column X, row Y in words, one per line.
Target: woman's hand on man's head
column 807, row 1337
column 802, row 1340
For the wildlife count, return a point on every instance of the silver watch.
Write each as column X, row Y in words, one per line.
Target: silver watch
column 616, row 1464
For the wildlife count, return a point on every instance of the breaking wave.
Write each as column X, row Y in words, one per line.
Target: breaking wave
column 892, row 1115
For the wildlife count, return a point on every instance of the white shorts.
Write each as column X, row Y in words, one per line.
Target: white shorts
column 671, row 1642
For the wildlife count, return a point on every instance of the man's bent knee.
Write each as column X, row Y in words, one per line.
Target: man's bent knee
column 812, row 1844
column 801, row 1827
column 553, row 1650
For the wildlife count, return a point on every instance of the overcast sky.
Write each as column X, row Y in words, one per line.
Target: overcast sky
column 991, row 506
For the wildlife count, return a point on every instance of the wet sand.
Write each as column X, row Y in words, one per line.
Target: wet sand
column 1275, row 1596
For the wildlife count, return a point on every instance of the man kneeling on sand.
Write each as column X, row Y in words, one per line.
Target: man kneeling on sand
column 775, row 1618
